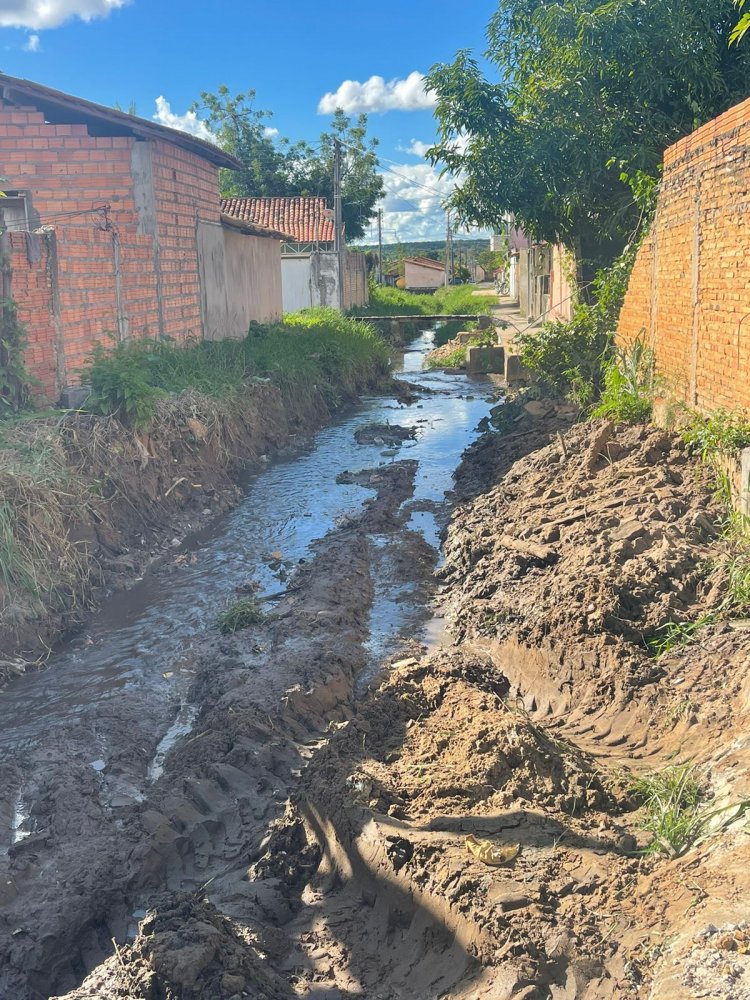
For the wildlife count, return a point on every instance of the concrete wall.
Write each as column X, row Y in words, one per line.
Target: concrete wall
column 312, row 280
column 240, row 280
column 689, row 293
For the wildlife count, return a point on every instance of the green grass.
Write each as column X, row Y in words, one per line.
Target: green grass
column 722, row 431
column 240, row 615
column 671, row 800
column 675, row 635
column 456, row 359
column 315, row 350
column 454, row 300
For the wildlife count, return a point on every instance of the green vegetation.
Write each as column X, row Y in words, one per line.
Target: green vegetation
column 671, row 801
column 722, row 431
column 453, row 300
column 316, row 350
column 675, row 635
column 273, row 167
column 456, row 359
column 239, row 615
column 573, row 358
column 629, row 385
column 743, row 25
column 716, row 439
column 587, row 96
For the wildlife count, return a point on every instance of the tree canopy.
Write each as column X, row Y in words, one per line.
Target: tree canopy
column 587, row 97
column 274, row 167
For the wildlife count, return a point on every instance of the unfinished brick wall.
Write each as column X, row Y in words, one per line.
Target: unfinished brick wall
column 128, row 271
column 32, row 270
column 689, row 294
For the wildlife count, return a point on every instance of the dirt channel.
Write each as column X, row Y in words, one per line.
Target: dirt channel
column 307, row 839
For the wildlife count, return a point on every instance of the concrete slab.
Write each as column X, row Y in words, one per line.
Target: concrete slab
column 483, row 360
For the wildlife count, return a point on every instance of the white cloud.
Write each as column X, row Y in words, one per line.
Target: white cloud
column 38, row 14
column 415, row 147
column 189, row 122
column 31, row 44
column 413, row 203
column 375, row 95
column 269, row 132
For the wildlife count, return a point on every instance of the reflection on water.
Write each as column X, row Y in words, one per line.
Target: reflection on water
column 289, row 504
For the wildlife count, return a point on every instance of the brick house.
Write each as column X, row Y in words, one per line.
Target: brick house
column 113, row 228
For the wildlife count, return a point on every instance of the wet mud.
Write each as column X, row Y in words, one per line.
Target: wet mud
column 321, row 825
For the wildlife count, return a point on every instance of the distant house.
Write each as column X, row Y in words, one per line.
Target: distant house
column 307, row 220
column 311, row 272
column 113, row 228
column 422, row 274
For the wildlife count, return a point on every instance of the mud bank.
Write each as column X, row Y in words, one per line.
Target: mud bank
column 115, row 500
column 309, row 840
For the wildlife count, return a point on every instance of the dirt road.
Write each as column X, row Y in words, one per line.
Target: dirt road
column 312, row 838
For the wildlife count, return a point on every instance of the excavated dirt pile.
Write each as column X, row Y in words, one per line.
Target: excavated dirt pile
column 468, row 827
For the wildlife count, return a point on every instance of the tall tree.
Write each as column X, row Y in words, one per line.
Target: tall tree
column 272, row 166
column 587, row 97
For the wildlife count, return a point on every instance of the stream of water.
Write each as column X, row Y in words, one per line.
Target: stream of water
column 140, row 637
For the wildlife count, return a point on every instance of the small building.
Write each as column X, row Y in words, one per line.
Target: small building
column 307, row 220
column 311, row 272
column 422, row 274
column 113, row 228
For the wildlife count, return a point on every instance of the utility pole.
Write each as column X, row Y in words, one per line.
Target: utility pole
column 338, row 221
column 447, row 248
column 380, row 246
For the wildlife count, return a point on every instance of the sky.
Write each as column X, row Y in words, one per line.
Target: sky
column 303, row 58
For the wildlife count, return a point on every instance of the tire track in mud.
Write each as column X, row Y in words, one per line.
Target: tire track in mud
column 304, row 842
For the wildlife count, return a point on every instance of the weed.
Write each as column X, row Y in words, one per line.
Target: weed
column 456, row 359
column 454, row 300
column 722, row 431
column 629, row 384
column 671, row 800
column 739, row 580
column 318, row 350
column 240, row 615
column 675, row 635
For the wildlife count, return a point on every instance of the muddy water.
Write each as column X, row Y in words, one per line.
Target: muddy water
column 139, row 643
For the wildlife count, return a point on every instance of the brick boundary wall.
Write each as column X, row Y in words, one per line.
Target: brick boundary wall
column 689, row 293
column 129, row 272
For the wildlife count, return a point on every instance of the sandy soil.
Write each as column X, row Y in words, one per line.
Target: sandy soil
column 306, row 841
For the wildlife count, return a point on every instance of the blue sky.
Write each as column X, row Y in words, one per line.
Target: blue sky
column 299, row 57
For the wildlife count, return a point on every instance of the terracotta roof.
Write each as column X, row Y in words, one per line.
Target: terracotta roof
column 306, row 219
column 253, row 228
column 425, row 262
column 63, row 109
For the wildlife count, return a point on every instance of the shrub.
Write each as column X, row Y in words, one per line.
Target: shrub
column 573, row 358
column 453, row 300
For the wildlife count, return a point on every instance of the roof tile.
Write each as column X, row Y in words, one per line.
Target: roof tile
column 306, row 219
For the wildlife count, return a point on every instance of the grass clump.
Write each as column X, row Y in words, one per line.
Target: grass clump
column 676, row 635
column 453, row 300
column 239, row 615
column 723, row 431
column 315, row 350
column 456, row 359
column 629, row 385
column 671, row 800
